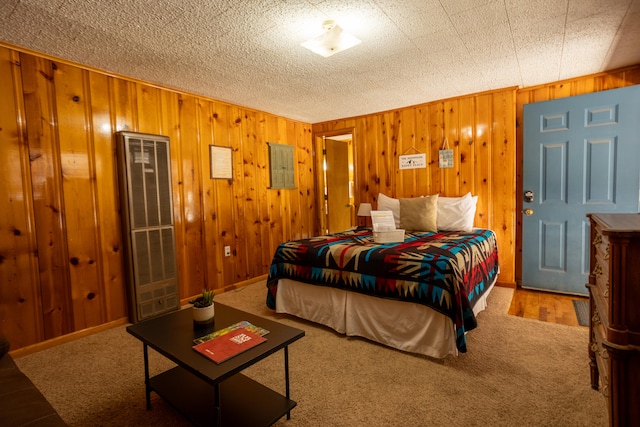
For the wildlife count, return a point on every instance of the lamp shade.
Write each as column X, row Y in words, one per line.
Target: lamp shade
column 364, row 209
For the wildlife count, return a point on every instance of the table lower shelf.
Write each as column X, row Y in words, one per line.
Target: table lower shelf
column 243, row 401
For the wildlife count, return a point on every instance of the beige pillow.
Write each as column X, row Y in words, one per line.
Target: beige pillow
column 419, row 213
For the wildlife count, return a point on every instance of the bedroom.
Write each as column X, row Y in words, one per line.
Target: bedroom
column 62, row 269
column 65, row 269
column 56, row 300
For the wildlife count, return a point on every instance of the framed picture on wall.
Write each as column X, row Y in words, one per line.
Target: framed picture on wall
column 221, row 161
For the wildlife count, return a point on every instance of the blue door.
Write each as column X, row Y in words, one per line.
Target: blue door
column 581, row 155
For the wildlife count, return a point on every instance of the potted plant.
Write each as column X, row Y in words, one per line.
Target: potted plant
column 203, row 308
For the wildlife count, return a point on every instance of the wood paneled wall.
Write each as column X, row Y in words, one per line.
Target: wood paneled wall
column 616, row 79
column 61, row 266
column 482, row 133
column 61, row 263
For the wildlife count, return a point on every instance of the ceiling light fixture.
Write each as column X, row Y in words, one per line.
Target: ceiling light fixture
column 333, row 40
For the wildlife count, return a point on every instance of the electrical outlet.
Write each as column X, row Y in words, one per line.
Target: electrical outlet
column 227, row 251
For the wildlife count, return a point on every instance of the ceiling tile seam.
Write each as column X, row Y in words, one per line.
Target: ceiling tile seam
column 457, row 32
column 564, row 37
column 513, row 44
column 607, row 57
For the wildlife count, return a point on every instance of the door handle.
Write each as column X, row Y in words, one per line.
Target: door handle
column 528, row 212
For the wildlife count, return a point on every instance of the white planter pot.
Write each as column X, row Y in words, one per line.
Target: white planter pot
column 204, row 315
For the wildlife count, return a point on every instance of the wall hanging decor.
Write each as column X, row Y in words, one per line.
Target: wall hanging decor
column 445, row 155
column 412, row 161
column 221, row 162
column 281, row 166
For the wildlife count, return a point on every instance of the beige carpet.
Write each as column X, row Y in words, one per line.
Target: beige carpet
column 517, row 372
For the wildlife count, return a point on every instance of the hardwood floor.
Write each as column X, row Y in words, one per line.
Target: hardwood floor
column 545, row 306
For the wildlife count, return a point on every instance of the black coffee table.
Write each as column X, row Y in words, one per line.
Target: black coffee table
column 215, row 394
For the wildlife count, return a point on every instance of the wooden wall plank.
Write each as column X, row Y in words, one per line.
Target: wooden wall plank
column 406, row 144
column 124, row 105
column 436, row 138
column 248, row 203
column 224, row 213
column 206, row 136
column 423, row 176
column 263, row 129
column 189, row 251
column 238, row 228
column 73, row 104
column 503, row 154
column 19, row 281
column 451, row 134
column 307, row 184
column 291, row 197
column 466, row 145
column 149, row 111
column 110, row 238
column 271, row 215
column 483, row 166
column 48, row 208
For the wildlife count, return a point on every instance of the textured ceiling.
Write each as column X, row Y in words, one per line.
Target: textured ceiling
column 247, row 52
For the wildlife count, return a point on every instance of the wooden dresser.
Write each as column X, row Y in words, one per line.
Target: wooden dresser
column 614, row 290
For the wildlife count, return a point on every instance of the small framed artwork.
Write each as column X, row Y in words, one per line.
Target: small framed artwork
column 221, row 161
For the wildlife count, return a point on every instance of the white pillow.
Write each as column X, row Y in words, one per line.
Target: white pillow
column 456, row 213
column 386, row 203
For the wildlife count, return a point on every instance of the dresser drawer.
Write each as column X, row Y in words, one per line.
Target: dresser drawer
column 601, row 246
column 602, row 356
column 601, row 267
column 600, row 313
column 602, row 279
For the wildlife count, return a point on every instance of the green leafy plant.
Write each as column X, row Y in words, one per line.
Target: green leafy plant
column 204, row 300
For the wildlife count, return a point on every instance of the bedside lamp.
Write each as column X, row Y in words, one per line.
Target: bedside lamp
column 364, row 210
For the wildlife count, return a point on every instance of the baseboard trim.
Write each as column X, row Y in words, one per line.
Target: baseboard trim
column 511, row 285
column 237, row 285
column 43, row 345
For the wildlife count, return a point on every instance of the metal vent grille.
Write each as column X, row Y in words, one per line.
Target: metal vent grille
column 145, row 184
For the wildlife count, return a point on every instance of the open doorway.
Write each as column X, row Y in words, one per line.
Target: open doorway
column 336, row 175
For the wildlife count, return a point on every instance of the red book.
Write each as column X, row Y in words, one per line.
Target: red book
column 228, row 345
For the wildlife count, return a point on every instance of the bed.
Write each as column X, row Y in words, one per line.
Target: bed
column 421, row 295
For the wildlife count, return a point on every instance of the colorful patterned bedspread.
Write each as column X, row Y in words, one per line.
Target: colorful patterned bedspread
column 447, row 271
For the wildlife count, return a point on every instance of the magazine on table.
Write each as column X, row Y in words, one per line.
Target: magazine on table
column 230, row 344
column 243, row 324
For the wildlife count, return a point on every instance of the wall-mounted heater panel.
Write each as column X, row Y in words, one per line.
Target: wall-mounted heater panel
column 144, row 174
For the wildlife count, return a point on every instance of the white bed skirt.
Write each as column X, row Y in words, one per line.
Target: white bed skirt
column 406, row 326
